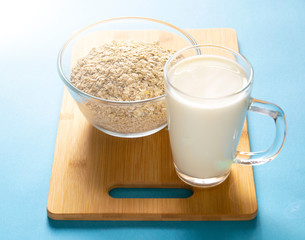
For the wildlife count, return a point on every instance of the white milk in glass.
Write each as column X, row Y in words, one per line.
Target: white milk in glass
column 205, row 123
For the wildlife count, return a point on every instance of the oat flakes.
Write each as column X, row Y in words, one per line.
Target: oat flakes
column 123, row 71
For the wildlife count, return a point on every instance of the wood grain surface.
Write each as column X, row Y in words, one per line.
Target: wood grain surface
column 88, row 164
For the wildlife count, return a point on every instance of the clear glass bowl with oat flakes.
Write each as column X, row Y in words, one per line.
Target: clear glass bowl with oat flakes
column 114, row 71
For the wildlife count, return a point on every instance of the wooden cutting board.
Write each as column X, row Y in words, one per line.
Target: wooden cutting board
column 88, row 164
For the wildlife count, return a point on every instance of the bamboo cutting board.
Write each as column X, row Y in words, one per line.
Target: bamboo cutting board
column 88, row 164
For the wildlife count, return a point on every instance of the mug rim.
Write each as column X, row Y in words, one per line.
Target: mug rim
column 250, row 77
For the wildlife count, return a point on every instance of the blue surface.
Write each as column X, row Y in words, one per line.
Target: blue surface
column 271, row 35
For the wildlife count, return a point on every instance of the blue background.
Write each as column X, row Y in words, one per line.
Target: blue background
column 271, row 35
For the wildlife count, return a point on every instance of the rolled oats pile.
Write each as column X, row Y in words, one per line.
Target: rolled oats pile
column 123, row 71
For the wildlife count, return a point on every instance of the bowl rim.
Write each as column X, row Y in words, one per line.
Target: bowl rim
column 86, row 95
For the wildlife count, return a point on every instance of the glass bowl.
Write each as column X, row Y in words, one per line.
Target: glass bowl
column 127, row 119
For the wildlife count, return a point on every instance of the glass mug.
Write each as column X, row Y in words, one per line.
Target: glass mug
column 208, row 91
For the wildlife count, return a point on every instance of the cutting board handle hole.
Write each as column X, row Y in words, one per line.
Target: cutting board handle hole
column 121, row 192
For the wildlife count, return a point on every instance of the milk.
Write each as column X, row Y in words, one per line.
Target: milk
column 205, row 123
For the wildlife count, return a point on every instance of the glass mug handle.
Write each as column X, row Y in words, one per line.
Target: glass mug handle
column 277, row 114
